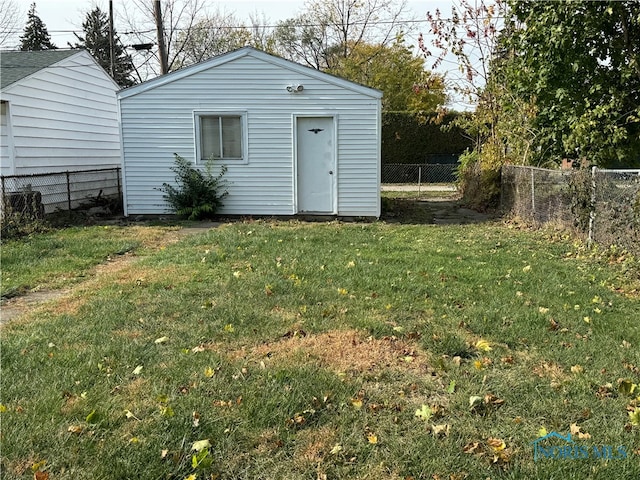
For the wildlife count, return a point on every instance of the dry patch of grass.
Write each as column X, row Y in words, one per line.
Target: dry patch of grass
column 551, row 371
column 341, row 351
column 313, row 445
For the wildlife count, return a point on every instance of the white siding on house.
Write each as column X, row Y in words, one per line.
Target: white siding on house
column 159, row 121
column 6, row 162
column 64, row 117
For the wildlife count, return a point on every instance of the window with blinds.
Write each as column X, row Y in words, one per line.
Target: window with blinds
column 220, row 137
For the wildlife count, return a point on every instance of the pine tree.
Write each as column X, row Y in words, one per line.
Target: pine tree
column 35, row 36
column 96, row 42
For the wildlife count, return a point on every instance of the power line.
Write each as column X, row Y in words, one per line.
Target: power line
column 240, row 27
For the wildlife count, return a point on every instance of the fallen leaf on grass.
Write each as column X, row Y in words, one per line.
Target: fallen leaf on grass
column 577, row 369
column 474, row 401
column 41, row 475
column 200, row 445
column 483, row 405
column 496, row 444
column 167, row 412
column 372, row 438
column 38, row 466
column 424, row 413
column 473, row 448
column 507, row 360
column 605, row 391
column 440, row 430
column 634, row 417
column 137, row 370
column 129, row 414
column 92, row 417
column 483, row 346
column 209, row 372
column 160, row 340
column 575, row 430
column 74, row 429
column 627, row 387
column 495, row 447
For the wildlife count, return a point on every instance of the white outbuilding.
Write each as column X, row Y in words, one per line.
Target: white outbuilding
column 58, row 112
column 295, row 141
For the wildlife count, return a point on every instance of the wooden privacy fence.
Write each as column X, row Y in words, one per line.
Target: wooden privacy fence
column 43, row 193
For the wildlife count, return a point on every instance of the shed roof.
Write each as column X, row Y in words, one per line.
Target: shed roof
column 242, row 52
column 15, row 66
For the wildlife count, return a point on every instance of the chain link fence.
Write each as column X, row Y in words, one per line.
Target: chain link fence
column 39, row 194
column 419, row 173
column 615, row 217
column 537, row 195
column 602, row 204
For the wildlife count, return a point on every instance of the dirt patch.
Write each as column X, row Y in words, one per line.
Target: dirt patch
column 70, row 300
column 434, row 211
column 342, row 351
column 18, row 305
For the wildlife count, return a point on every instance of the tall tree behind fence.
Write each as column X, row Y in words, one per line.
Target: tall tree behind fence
column 602, row 204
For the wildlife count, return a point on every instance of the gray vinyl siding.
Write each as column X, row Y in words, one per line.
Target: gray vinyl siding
column 64, row 117
column 158, row 122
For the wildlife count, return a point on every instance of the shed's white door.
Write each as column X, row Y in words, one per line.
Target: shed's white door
column 316, row 164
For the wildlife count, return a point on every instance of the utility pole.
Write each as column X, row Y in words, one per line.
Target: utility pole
column 112, row 62
column 164, row 68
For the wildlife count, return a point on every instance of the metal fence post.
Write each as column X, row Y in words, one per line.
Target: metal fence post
column 118, row 171
column 533, row 195
column 419, row 179
column 68, row 192
column 3, row 205
column 592, row 207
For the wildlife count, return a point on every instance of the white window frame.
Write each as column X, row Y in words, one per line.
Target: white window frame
column 244, row 144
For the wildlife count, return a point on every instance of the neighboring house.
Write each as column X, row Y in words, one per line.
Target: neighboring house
column 59, row 113
column 294, row 140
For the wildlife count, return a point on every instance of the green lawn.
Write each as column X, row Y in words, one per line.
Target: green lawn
column 288, row 350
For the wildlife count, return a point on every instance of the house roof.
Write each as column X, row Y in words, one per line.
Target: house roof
column 15, row 66
column 242, row 52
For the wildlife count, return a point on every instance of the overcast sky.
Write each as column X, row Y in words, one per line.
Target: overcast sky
column 64, row 16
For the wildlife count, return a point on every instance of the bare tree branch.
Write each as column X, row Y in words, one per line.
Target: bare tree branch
column 10, row 17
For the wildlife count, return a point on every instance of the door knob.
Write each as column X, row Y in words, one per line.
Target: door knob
column 330, row 172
